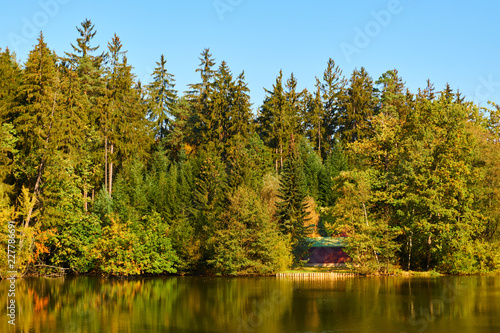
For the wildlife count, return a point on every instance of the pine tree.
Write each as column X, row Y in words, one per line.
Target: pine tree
column 37, row 120
column 10, row 79
column 333, row 91
column 199, row 97
column 279, row 117
column 247, row 241
column 447, row 94
column 161, row 99
column 313, row 119
column 428, row 92
column 210, row 199
column 241, row 115
column 83, row 79
column 291, row 209
column 220, row 116
column 124, row 131
column 334, row 164
column 220, row 106
column 357, row 107
column 295, row 104
column 393, row 101
column 177, row 139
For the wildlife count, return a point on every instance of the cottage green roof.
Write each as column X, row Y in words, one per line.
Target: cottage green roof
column 327, row 241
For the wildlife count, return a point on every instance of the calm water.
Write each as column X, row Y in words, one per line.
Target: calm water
column 196, row 304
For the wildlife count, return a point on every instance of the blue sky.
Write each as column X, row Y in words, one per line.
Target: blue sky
column 447, row 41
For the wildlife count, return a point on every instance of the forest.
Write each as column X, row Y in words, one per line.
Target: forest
column 103, row 174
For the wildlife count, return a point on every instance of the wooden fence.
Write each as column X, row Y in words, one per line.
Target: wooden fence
column 332, row 275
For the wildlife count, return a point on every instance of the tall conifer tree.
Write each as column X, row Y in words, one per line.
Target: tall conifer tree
column 161, row 99
column 358, row 106
column 291, row 209
column 38, row 118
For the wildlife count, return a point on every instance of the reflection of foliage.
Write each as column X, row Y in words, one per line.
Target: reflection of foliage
column 193, row 304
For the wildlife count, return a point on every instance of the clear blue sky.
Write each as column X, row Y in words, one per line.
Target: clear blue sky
column 447, row 41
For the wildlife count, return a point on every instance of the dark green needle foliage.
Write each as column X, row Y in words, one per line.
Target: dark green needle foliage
column 161, row 99
column 291, row 209
column 104, row 174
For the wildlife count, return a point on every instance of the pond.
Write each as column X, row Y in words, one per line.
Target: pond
column 254, row 304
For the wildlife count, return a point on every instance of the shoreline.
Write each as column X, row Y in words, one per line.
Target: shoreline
column 304, row 272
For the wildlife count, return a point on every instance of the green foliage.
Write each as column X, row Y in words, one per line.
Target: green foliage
column 115, row 253
column 8, row 153
column 412, row 179
column 248, row 159
column 186, row 243
column 220, row 106
column 371, row 244
column 279, row 117
column 358, row 105
column 154, row 252
column 312, row 166
column 335, row 163
column 74, row 243
column 10, row 79
column 291, row 207
column 125, row 249
column 247, row 241
column 161, row 98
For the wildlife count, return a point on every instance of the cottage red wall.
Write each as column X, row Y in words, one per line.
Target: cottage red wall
column 327, row 255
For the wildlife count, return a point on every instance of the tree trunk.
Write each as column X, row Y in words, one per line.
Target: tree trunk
column 409, row 251
column 319, row 139
column 366, row 220
column 276, row 159
column 111, row 171
column 106, row 162
column 85, row 203
column 281, row 155
column 36, row 190
column 429, row 242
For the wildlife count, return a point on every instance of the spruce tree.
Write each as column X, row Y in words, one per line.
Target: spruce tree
column 313, row 119
column 291, row 209
column 38, row 118
column 83, row 79
column 161, row 99
column 358, row 105
column 178, row 137
column 125, row 133
column 279, row 117
column 241, row 114
column 333, row 91
column 199, row 97
column 10, row 79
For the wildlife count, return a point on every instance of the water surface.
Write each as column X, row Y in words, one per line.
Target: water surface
column 262, row 304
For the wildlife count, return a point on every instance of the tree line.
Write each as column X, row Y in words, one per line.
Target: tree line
column 104, row 174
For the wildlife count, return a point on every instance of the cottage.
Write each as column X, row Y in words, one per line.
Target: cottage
column 327, row 252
